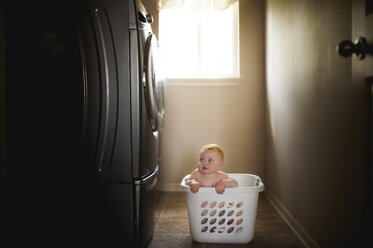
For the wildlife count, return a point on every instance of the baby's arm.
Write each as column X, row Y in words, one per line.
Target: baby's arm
column 226, row 181
column 192, row 182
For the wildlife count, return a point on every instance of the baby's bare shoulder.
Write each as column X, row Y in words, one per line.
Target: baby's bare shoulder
column 194, row 173
column 222, row 175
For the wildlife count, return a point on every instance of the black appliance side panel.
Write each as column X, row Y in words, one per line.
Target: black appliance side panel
column 135, row 105
column 148, row 140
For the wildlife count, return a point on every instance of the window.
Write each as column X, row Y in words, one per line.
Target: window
column 199, row 45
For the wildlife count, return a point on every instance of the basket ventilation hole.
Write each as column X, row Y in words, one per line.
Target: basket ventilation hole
column 221, row 213
column 230, row 213
column 204, row 212
column 239, row 221
column 222, row 229
column 204, row 204
column 213, row 221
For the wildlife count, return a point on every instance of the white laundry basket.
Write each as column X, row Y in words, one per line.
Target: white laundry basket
column 224, row 218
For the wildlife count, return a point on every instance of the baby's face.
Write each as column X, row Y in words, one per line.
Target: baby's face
column 209, row 162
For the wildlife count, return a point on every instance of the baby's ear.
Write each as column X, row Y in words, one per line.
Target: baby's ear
column 221, row 164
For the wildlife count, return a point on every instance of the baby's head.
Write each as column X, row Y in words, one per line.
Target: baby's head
column 214, row 147
column 211, row 159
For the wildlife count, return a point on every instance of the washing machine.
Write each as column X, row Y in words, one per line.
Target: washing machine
column 80, row 123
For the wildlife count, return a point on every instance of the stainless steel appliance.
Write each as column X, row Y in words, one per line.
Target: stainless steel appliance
column 81, row 118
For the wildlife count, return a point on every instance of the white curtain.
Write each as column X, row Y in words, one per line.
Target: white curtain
column 196, row 5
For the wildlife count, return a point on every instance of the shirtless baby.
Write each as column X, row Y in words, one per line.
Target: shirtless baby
column 208, row 174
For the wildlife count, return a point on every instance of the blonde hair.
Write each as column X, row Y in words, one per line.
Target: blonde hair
column 214, row 147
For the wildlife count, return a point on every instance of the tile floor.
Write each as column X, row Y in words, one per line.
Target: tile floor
column 172, row 226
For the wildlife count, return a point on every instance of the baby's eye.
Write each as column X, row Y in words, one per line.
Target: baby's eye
column 210, row 160
column 201, row 160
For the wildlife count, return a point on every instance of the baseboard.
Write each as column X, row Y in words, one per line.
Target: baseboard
column 168, row 187
column 297, row 228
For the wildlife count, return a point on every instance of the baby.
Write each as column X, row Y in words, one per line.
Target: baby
column 207, row 174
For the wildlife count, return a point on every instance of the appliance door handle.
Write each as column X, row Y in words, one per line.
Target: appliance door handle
column 84, row 88
column 148, row 177
column 108, row 88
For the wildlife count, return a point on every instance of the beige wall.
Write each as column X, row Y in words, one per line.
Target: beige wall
column 315, row 149
column 232, row 116
column 314, row 123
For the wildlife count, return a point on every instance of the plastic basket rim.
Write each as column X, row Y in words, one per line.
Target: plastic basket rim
column 258, row 188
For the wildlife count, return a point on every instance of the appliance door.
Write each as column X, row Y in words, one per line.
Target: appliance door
column 145, row 206
column 154, row 83
column 104, row 36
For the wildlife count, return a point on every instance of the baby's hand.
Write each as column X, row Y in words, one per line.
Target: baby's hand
column 220, row 187
column 194, row 187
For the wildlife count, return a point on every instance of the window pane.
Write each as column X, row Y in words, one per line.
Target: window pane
column 179, row 43
column 217, row 43
column 199, row 45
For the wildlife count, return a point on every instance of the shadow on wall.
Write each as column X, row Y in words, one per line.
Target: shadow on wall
column 314, row 155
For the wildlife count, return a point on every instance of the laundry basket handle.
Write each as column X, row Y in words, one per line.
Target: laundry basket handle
column 259, row 181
